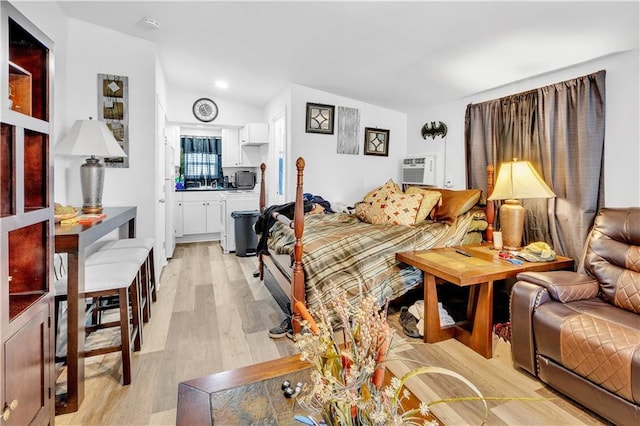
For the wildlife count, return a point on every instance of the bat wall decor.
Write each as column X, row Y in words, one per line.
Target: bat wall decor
column 433, row 130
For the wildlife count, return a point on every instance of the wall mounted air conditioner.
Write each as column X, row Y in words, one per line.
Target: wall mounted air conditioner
column 419, row 170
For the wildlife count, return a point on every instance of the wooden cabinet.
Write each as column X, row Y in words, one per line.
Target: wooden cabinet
column 27, row 372
column 201, row 212
column 254, row 134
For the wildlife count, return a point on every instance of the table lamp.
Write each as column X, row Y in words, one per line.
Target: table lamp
column 516, row 180
column 94, row 139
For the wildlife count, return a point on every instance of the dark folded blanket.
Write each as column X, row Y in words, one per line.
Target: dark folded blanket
column 265, row 221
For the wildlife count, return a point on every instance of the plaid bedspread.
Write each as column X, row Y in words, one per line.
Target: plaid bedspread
column 340, row 251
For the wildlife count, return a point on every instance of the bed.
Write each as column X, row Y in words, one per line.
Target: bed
column 308, row 256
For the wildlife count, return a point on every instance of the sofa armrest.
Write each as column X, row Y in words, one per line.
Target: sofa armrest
column 563, row 286
column 525, row 298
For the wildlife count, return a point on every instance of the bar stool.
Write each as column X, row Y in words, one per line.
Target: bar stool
column 145, row 243
column 121, row 280
column 134, row 255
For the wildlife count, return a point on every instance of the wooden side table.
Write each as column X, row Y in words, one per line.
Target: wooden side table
column 478, row 271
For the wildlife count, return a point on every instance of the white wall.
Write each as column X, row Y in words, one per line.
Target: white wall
column 94, row 50
column 342, row 177
column 622, row 133
column 230, row 113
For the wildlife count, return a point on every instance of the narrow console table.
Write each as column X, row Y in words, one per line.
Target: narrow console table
column 73, row 240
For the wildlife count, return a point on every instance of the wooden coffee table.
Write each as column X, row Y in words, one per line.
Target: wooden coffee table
column 478, row 271
column 250, row 395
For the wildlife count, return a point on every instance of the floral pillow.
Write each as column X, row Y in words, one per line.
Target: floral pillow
column 402, row 209
column 371, row 208
column 380, row 194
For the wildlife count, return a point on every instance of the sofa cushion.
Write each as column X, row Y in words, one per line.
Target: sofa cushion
column 612, row 256
column 608, row 331
column 600, row 351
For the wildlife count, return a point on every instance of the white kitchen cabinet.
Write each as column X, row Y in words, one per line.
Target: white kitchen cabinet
column 236, row 154
column 231, row 150
column 201, row 212
column 194, row 217
column 254, row 134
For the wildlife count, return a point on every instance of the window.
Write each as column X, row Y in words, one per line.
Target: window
column 202, row 158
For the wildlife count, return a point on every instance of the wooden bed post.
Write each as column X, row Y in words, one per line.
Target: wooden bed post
column 298, row 287
column 491, row 214
column 262, row 205
column 263, row 195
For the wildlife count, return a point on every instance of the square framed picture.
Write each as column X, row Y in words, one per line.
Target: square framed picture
column 320, row 118
column 376, row 142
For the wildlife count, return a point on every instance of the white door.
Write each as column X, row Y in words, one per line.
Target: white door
column 277, row 170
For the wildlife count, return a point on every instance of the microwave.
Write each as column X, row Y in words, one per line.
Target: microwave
column 245, row 179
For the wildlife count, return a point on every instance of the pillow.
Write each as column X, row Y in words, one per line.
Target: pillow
column 430, row 199
column 378, row 195
column 402, row 208
column 373, row 214
column 455, row 203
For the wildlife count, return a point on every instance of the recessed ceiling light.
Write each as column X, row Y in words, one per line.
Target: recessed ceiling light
column 222, row 84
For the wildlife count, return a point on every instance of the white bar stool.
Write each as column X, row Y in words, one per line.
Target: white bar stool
column 134, row 255
column 145, row 243
column 106, row 280
column 117, row 280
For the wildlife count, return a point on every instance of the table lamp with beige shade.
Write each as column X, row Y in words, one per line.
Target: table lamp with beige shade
column 93, row 139
column 516, row 180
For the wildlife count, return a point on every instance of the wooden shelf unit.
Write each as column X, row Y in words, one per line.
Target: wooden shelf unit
column 27, row 371
column 19, row 89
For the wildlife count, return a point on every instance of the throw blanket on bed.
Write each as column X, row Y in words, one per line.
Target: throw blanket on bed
column 355, row 257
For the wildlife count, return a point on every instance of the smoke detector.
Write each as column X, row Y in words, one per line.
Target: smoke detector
column 151, row 23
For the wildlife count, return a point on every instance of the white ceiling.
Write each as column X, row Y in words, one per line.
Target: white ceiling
column 399, row 55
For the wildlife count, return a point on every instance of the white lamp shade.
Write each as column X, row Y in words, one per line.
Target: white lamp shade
column 518, row 180
column 89, row 138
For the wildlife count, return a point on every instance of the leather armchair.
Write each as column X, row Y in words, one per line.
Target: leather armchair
column 579, row 332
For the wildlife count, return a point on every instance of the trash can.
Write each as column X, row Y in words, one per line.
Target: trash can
column 246, row 238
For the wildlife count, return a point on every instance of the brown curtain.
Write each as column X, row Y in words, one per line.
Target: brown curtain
column 560, row 130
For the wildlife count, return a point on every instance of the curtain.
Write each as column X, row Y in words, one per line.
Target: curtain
column 202, row 156
column 560, row 130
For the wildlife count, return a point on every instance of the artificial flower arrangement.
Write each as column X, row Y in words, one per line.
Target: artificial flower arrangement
column 347, row 382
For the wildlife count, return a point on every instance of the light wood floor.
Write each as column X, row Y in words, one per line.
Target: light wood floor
column 213, row 315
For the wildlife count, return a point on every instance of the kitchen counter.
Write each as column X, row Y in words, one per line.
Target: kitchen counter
column 209, row 188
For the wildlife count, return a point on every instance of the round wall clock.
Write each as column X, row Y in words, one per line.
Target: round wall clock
column 204, row 109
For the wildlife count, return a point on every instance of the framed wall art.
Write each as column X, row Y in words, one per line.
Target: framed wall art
column 113, row 109
column 320, row 118
column 376, row 142
column 348, row 130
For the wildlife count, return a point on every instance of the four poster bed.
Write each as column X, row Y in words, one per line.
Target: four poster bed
column 310, row 256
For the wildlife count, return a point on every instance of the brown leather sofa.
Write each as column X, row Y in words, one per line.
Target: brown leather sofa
column 579, row 332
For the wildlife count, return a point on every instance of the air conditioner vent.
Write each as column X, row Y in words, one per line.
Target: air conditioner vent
column 419, row 170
